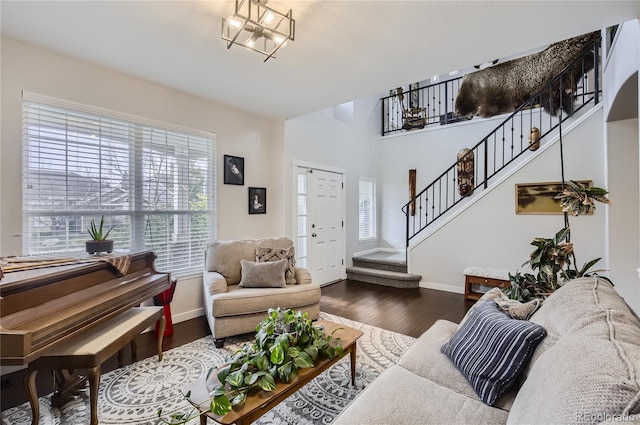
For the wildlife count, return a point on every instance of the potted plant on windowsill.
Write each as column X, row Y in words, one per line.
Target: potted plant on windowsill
column 99, row 242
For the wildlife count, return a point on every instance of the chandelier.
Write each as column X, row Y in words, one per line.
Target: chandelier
column 258, row 27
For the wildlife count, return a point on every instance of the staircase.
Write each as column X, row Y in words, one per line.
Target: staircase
column 478, row 167
column 383, row 268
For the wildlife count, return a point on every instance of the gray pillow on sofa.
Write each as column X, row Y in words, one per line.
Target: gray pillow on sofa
column 263, row 275
column 515, row 309
column 491, row 349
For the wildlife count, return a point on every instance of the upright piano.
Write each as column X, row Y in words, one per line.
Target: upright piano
column 43, row 307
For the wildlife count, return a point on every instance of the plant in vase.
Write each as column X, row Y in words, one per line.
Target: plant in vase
column 286, row 341
column 552, row 259
column 99, row 242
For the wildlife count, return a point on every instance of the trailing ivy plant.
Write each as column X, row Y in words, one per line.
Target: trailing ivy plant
column 285, row 342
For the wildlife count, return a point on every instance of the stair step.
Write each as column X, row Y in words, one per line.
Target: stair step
column 380, row 264
column 384, row 277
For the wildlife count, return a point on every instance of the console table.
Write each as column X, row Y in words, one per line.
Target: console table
column 477, row 277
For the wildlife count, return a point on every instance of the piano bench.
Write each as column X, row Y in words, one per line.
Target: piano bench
column 88, row 350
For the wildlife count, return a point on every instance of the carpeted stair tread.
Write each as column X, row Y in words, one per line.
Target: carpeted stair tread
column 389, row 261
column 380, row 263
column 383, row 273
column 384, row 277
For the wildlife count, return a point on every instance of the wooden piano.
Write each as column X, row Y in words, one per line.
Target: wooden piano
column 44, row 307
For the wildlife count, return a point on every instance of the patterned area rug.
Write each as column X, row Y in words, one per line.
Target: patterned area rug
column 133, row 394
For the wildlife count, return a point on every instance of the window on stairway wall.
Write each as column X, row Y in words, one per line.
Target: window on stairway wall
column 154, row 183
column 367, row 210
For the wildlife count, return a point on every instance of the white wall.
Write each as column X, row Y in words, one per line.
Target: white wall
column 623, row 178
column 343, row 137
column 429, row 151
column 258, row 140
column 490, row 234
column 621, row 97
column 621, row 65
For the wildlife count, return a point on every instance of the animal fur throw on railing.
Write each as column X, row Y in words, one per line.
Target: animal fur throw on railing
column 504, row 87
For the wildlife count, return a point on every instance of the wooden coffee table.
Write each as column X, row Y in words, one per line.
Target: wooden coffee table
column 260, row 402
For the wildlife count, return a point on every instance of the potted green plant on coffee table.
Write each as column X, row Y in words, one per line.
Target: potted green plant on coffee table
column 285, row 342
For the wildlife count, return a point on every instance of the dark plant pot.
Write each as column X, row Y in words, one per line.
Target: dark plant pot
column 96, row 247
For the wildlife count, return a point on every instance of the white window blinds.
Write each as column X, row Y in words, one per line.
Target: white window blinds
column 367, row 211
column 154, row 186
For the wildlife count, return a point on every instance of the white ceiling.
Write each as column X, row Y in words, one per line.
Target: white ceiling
column 343, row 50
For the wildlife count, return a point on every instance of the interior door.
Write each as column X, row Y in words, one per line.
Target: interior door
column 325, row 225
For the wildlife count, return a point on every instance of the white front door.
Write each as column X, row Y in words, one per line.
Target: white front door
column 324, row 227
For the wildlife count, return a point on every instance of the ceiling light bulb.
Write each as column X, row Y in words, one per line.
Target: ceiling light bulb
column 278, row 39
column 268, row 17
column 251, row 41
column 234, row 22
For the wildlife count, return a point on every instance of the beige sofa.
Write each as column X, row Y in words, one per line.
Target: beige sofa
column 586, row 370
column 232, row 309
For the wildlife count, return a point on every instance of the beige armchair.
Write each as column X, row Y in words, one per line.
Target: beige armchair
column 242, row 279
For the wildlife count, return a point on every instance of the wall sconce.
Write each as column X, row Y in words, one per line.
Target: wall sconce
column 258, row 27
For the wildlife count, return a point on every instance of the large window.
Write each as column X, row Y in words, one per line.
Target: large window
column 153, row 184
column 367, row 217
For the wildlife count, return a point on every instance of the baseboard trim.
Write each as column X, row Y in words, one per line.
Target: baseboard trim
column 442, row 287
column 188, row 315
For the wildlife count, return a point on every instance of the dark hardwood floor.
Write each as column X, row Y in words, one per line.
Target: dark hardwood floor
column 406, row 311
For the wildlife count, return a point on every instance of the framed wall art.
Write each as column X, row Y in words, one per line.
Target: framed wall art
column 233, row 170
column 257, row 200
column 538, row 198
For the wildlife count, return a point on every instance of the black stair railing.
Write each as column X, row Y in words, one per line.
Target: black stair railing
column 574, row 87
column 420, row 107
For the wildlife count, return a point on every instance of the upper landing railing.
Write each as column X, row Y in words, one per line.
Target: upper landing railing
column 417, row 108
column 473, row 170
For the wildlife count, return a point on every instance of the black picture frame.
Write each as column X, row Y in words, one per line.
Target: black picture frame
column 257, row 200
column 234, row 170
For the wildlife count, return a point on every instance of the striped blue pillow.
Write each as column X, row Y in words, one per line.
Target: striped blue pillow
column 491, row 349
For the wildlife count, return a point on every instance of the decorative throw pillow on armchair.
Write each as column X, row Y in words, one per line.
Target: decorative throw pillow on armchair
column 265, row 255
column 263, row 275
